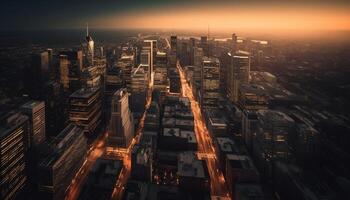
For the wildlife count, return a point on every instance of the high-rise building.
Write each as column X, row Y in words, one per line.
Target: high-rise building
column 35, row 110
column 210, row 84
column 205, row 45
column 71, row 65
column 272, row 139
column 91, row 77
column 125, row 64
column 85, row 108
column 249, row 127
column 121, row 126
column 238, row 73
column 192, row 46
column 37, row 74
column 198, row 58
column 14, row 130
column 173, row 43
column 139, row 84
column 151, row 45
column 59, row 167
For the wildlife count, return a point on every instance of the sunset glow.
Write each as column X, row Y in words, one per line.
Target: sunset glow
column 223, row 18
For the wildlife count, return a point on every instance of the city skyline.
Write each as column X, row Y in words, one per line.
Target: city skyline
column 175, row 100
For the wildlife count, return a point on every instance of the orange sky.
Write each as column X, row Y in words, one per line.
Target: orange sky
column 229, row 17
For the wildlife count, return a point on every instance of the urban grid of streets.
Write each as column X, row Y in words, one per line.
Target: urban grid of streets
column 205, row 144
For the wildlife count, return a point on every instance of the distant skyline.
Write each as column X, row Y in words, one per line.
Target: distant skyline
column 221, row 15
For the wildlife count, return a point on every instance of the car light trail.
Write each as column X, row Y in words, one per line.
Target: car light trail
column 205, row 144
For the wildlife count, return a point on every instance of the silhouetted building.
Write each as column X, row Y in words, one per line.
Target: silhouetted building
column 71, row 65
column 142, row 163
column 85, row 108
column 14, row 130
column 35, row 110
column 59, row 167
column 101, row 180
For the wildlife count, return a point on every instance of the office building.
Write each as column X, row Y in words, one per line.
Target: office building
column 35, row 110
column 192, row 46
column 173, row 44
column 272, row 139
column 193, row 173
column 252, row 97
column 71, row 65
column 36, row 74
column 249, row 127
column 85, row 109
column 101, row 180
column 141, row 163
column 238, row 73
column 138, row 90
column 210, row 84
column 240, row 169
column 14, row 131
column 91, row 77
column 59, row 167
column 121, row 126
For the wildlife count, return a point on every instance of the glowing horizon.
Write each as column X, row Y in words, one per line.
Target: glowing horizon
column 229, row 17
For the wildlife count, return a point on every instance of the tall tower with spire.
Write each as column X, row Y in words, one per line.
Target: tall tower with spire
column 89, row 47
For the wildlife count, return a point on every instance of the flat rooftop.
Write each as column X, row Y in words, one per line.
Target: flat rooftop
column 190, row 166
column 84, row 92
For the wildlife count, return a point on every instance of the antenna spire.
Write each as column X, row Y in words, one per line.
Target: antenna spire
column 87, row 29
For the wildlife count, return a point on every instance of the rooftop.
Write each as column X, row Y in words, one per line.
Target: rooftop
column 84, row 92
column 190, row 166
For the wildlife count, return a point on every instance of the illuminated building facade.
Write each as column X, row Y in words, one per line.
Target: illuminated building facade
column 14, row 130
column 238, row 74
column 71, row 65
column 85, row 108
column 59, row 167
column 210, row 84
column 91, row 77
column 173, row 44
column 35, row 110
column 121, row 126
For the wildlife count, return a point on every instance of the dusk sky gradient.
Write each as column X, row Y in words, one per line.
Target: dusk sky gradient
column 220, row 15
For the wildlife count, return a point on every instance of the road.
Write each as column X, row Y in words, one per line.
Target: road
column 125, row 173
column 205, row 144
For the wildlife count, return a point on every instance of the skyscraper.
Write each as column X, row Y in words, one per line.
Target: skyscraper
column 71, row 65
column 121, row 126
column 152, row 46
column 14, row 130
column 238, row 73
column 35, row 110
column 85, row 108
column 272, row 139
column 210, row 84
column 138, row 90
column 173, row 43
column 37, row 74
column 58, row 168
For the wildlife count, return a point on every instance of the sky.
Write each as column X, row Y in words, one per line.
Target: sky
column 219, row 15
